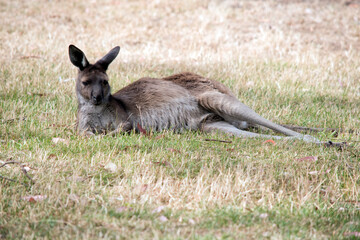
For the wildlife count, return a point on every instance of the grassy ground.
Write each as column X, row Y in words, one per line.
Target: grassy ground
column 294, row 62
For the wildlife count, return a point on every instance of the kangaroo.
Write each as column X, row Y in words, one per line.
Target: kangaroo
column 184, row 101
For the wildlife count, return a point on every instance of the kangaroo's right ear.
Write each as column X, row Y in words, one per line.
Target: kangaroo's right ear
column 77, row 57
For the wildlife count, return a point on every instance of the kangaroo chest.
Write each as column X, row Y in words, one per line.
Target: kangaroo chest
column 94, row 118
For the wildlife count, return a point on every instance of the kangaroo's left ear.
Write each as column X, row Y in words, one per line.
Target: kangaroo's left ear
column 108, row 58
column 77, row 57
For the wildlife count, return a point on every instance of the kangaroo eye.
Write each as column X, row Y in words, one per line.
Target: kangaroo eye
column 86, row 83
column 105, row 83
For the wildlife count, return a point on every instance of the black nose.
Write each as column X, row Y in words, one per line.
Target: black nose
column 97, row 99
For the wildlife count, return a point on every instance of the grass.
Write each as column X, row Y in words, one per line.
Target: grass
column 294, row 62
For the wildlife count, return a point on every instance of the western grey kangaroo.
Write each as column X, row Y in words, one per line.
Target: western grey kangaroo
column 184, row 101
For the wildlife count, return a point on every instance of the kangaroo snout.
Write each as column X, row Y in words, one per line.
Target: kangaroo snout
column 96, row 99
column 97, row 96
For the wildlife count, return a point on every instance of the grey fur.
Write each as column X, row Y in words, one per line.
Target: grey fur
column 179, row 102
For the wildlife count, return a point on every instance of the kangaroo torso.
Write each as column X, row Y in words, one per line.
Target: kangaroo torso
column 160, row 104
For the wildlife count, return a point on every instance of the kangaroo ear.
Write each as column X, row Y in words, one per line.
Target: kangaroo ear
column 108, row 58
column 77, row 57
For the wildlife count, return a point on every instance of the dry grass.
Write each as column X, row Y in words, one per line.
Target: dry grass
column 295, row 62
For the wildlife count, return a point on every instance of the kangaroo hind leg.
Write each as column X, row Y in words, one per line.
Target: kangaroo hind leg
column 232, row 110
column 229, row 129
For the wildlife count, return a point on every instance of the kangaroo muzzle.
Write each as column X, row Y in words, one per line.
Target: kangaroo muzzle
column 97, row 96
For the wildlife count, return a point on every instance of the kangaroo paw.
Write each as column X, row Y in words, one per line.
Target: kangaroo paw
column 339, row 145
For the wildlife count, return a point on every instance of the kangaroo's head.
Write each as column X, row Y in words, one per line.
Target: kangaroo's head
column 92, row 83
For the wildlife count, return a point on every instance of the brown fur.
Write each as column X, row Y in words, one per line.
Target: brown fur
column 197, row 84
